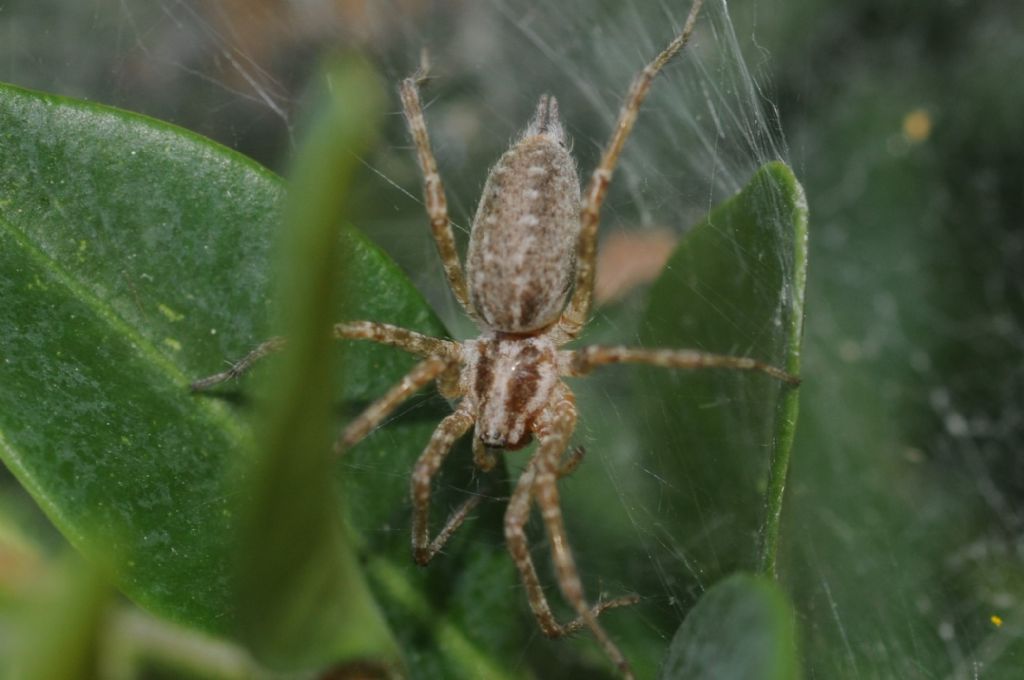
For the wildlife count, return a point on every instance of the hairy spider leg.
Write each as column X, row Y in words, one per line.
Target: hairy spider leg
column 539, row 482
column 404, row 339
column 581, row 361
column 455, row 520
column 433, row 190
column 240, row 367
column 438, row 448
column 384, row 333
column 373, row 415
column 575, row 315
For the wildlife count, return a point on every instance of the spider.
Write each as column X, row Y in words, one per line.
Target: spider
column 527, row 283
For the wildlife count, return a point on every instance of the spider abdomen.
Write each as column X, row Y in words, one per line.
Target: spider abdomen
column 510, row 380
column 522, row 246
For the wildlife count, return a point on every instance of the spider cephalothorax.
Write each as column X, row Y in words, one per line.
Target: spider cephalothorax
column 509, row 379
column 532, row 245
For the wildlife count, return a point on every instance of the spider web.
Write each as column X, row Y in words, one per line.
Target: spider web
column 872, row 602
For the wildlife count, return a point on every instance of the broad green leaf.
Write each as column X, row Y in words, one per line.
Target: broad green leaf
column 743, row 627
column 134, row 258
column 735, row 285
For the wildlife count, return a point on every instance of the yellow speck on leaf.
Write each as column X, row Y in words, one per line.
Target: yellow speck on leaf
column 173, row 344
column 917, row 125
column 169, row 313
column 996, row 620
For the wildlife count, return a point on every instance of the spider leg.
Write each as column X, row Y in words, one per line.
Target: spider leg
column 386, row 334
column 575, row 314
column 419, row 377
column 582, row 361
column 404, row 339
column 440, row 444
column 241, row 366
column 454, row 521
column 539, row 479
column 433, row 189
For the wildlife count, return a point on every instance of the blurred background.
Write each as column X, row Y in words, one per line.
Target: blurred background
column 902, row 540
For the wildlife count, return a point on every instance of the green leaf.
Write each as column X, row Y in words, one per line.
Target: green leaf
column 741, row 628
column 735, row 285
